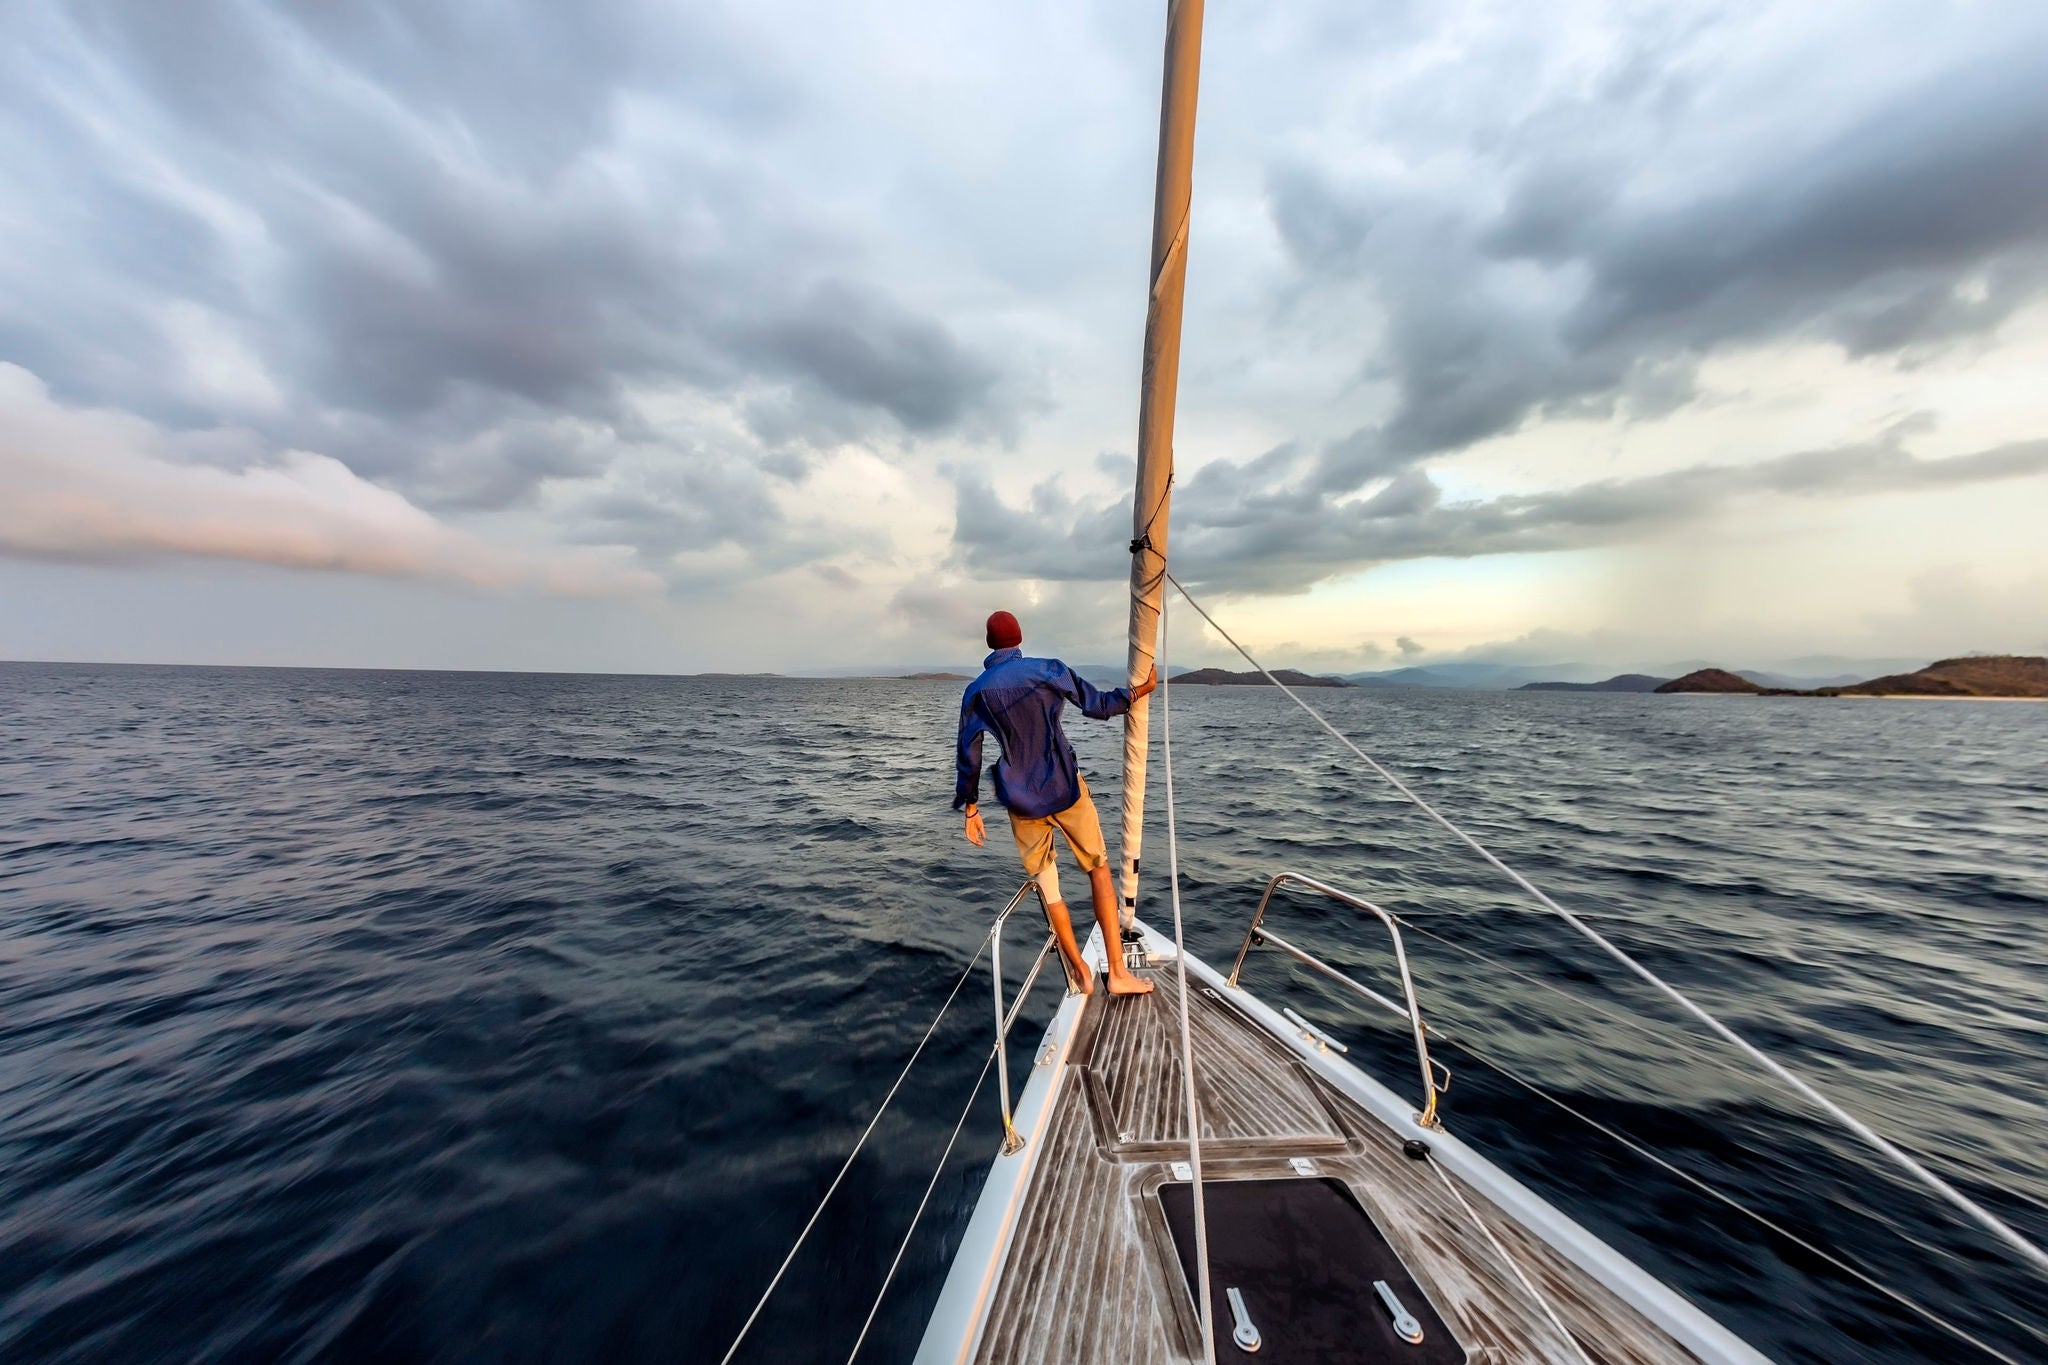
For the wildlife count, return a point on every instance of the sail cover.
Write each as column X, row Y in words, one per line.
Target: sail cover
column 1158, row 387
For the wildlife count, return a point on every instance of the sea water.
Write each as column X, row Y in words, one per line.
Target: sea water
column 484, row 1017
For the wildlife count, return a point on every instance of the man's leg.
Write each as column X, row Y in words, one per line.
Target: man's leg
column 1121, row 979
column 1079, row 978
column 1084, row 835
column 1034, row 846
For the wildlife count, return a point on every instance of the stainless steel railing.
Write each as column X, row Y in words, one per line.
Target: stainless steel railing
column 1257, row 934
column 1012, row 1139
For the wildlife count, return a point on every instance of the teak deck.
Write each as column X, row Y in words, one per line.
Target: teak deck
column 1091, row 1279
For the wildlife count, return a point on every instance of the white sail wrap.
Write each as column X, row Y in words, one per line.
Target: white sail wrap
column 1158, row 388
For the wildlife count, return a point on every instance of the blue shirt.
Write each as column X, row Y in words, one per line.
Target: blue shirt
column 1019, row 700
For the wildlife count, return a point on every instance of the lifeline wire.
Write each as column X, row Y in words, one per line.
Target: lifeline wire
column 1187, row 1046
column 930, row 1185
column 1502, row 1252
column 1646, row 1154
column 1929, row 1314
column 1991, row 1221
column 762, row 1302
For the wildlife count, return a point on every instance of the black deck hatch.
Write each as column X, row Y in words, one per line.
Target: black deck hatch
column 1303, row 1255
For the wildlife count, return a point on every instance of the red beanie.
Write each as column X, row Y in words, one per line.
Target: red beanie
column 1004, row 632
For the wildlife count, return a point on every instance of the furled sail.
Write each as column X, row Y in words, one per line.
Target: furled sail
column 1159, row 386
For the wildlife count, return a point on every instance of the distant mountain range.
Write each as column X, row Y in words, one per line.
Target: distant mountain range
column 1820, row 671
column 1492, row 676
column 1804, row 674
column 1744, row 680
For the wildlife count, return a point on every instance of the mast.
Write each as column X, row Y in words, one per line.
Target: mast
column 1157, row 390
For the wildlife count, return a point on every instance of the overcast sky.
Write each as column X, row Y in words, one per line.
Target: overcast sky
column 677, row 336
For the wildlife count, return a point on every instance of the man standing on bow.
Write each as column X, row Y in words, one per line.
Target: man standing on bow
column 1019, row 701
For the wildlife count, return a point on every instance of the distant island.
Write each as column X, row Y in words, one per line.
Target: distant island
column 1621, row 682
column 1710, row 680
column 1987, row 676
column 1223, row 677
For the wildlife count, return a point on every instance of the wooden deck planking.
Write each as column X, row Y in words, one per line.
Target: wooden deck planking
column 1086, row 1281
column 1259, row 1097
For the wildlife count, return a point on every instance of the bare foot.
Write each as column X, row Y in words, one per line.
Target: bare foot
column 1125, row 983
column 1081, row 982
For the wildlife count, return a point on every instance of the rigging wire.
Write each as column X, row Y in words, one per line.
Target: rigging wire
column 1187, row 1045
column 1513, row 1266
column 1703, row 1186
column 1465, row 1045
column 847, row 1165
column 1698, row 1048
column 1983, row 1216
column 930, row 1185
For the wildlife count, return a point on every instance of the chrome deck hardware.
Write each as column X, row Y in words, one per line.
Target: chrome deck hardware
column 1323, row 1041
column 1405, row 1325
column 1258, row 933
column 1134, row 951
column 1013, row 1141
column 1244, row 1334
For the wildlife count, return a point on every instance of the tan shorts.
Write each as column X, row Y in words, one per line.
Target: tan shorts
column 1078, row 822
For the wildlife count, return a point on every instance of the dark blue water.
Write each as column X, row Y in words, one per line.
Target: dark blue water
column 437, row 1017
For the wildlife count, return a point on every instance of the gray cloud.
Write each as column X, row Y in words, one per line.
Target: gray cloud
column 455, row 275
column 861, row 347
column 618, row 278
column 101, row 488
column 1589, row 267
column 1295, row 535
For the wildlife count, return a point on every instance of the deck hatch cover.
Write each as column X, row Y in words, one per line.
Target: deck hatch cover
column 1304, row 1254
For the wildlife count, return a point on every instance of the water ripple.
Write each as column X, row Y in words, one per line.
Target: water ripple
column 359, row 1015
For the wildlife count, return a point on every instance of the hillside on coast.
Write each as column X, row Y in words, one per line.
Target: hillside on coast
column 1989, row 675
column 1984, row 675
column 1710, row 680
column 1223, row 677
column 1620, row 682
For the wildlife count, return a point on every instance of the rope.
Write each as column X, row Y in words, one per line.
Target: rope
column 1142, row 544
column 1187, row 1045
column 1989, row 1220
column 1502, row 1252
column 1466, row 1045
column 1845, row 1267
column 847, row 1165
column 930, row 1185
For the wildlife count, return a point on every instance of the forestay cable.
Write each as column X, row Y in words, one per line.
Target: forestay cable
column 1187, row 1046
column 1933, row 1318
column 1694, row 1046
column 847, row 1165
column 1704, row 1187
column 1989, row 1220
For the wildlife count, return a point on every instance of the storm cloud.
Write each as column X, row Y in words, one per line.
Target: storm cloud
column 126, row 492
column 754, row 311
column 453, row 248
column 1579, row 252
column 1292, row 535
column 1622, row 231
